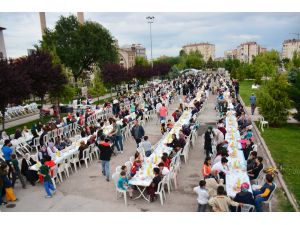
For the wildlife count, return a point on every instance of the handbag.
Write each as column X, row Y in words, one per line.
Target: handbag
column 10, row 195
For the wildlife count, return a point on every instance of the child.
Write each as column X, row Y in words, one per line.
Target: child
column 136, row 166
column 123, row 183
column 154, row 185
column 146, row 144
column 169, row 125
column 45, row 172
column 163, row 128
column 203, row 196
column 16, row 172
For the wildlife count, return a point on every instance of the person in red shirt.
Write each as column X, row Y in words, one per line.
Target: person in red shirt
column 163, row 112
column 135, row 167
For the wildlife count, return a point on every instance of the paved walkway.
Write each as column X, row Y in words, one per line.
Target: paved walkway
column 87, row 190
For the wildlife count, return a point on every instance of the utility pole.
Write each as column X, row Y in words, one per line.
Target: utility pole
column 150, row 21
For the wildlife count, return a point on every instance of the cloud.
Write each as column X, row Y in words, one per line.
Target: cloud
column 170, row 31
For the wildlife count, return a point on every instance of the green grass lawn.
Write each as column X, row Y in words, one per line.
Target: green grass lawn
column 246, row 91
column 284, row 145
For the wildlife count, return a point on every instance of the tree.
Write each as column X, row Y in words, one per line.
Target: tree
column 45, row 76
column 273, row 100
column 113, row 74
column 192, row 60
column 296, row 60
column 168, row 59
column 14, row 85
column 174, row 72
column 265, row 65
column 210, row 63
column 79, row 46
column 97, row 89
column 141, row 61
column 294, row 91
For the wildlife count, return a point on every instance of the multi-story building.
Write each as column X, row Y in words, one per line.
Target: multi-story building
column 128, row 53
column 2, row 44
column 245, row 52
column 206, row 49
column 289, row 47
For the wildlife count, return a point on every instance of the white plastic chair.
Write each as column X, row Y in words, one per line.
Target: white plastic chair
column 128, row 164
column 118, row 169
column 115, row 178
column 246, row 208
column 263, row 123
column 86, row 156
column 269, row 201
column 74, row 160
column 131, row 159
column 61, row 169
column 161, row 192
column 68, row 165
column 254, row 147
column 185, row 152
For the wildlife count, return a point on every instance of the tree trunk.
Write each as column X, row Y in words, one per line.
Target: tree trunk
column 41, row 111
column 58, row 108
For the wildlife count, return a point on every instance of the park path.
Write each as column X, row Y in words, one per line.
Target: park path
column 87, row 189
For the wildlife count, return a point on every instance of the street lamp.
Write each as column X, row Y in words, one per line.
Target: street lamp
column 150, row 20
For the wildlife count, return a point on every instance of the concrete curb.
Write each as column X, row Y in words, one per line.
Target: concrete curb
column 265, row 148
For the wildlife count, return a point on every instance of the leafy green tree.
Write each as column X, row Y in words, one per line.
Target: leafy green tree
column 64, row 94
column 79, row 46
column 265, row 65
column 209, row 64
column 174, row 72
column 294, row 91
column 273, row 100
column 141, row 61
column 296, row 59
column 168, row 59
column 97, row 89
column 192, row 60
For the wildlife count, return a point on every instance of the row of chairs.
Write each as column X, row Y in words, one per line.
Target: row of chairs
column 17, row 111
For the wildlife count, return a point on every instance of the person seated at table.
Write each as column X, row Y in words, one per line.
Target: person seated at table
column 18, row 134
column 253, row 173
column 81, row 148
column 203, row 196
column 91, row 140
column 251, row 160
column 146, row 145
column 221, row 168
column 51, row 149
column 58, row 144
column 263, row 193
column 163, row 128
column 169, row 125
column 92, row 128
column 222, row 202
column 248, row 148
column 222, row 152
column 66, row 142
column 135, row 167
column 206, row 168
column 31, row 175
column 83, row 132
column 244, row 196
column 125, row 169
column 166, row 160
column 123, row 183
column 154, row 184
column 163, row 169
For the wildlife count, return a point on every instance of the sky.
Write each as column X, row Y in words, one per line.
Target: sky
column 170, row 31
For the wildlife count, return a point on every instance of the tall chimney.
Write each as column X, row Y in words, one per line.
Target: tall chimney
column 43, row 22
column 80, row 17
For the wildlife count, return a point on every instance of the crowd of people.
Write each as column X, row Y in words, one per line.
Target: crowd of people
column 215, row 166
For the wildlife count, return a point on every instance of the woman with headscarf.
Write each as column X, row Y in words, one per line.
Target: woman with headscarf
column 207, row 141
column 31, row 175
column 244, row 196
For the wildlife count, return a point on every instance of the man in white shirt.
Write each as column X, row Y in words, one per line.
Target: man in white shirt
column 203, row 196
column 221, row 168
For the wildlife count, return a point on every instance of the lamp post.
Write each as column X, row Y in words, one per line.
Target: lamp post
column 150, row 20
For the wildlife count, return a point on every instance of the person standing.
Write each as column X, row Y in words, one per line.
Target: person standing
column 157, row 108
column 17, row 172
column 203, row 196
column 116, row 135
column 105, row 155
column 253, row 103
column 48, row 185
column 7, row 151
column 137, row 132
column 163, row 112
column 207, row 141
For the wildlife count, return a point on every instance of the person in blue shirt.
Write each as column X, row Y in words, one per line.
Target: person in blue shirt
column 7, row 151
column 123, row 183
column 253, row 103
